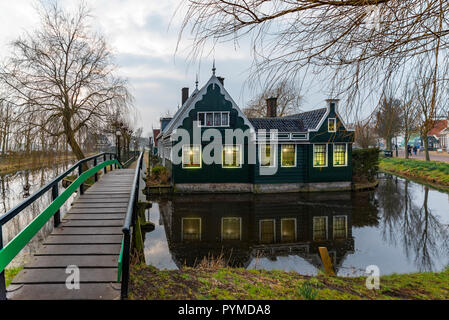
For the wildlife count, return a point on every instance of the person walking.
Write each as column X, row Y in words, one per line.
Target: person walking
column 409, row 150
column 415, row 149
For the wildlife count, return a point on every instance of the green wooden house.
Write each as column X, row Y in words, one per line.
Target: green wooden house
column 211, row 146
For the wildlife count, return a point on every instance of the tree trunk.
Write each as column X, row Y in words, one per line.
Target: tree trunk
column 388, row 144
column 71, row 140
column 426, row 147
column 406, row 146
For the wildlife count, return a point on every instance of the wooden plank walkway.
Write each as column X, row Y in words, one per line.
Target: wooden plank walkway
column 89, row 237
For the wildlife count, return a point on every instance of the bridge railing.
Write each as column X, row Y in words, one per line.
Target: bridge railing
column 14, row 246
column 128, row 228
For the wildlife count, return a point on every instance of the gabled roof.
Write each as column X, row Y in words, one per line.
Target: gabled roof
column 309, row 119
column 439, row 126
column 196, row 96
column 279, row 124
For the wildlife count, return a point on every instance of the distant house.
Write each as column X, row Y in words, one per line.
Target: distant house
column 440, row 133
column 309, row 151
column 444, row 139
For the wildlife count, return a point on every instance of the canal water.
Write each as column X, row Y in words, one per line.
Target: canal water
column 401, row 227
column 15, row 188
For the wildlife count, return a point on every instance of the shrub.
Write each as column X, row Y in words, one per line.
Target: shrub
column 160, row 175
column 365, row 164
column 308, row 291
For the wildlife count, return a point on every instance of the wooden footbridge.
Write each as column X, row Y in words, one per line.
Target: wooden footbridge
column 87, row 254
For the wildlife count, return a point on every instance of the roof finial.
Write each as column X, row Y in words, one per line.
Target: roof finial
column 213, row 68
column 196, row 82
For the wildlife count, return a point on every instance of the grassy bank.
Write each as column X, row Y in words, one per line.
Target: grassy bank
column 10, row 273
column 149, row 283
column 433, row 172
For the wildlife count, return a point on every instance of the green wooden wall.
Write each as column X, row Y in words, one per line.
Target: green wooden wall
column 214, row 100
column 304, row 171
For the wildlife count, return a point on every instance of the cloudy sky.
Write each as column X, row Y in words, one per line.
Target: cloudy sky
column 143, row 35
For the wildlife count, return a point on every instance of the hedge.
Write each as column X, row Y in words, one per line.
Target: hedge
column 365, row 164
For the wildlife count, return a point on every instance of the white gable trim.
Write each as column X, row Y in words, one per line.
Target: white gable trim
column 199, row 96
column 326, row 116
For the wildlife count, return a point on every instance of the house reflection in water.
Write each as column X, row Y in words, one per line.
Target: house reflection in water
column 246, row 227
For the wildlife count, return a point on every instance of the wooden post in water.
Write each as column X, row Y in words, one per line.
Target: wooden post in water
column 327, row 263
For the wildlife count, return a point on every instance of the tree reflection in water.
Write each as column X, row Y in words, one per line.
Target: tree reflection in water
column 408, row 221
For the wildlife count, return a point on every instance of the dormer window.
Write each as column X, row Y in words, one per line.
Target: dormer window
column 332, row 125
column 213, row 119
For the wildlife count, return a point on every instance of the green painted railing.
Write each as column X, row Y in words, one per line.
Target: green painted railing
column 20, row 240
column 120, row 264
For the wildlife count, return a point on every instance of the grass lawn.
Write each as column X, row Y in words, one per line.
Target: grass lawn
column 10, row 273
column 149, row 283
column 433, row 172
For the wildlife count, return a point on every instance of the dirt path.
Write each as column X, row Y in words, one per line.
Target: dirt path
column 434, row 156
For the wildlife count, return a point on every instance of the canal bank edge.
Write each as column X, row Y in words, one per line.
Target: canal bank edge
column 150, row 283
column 260, row 188
column 422, row 181
column 434, row 174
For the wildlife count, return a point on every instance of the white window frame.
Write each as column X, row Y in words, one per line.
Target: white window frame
column 182, row 227
column 327, row 227
column 294, row 219
column 222, row 225
column 260, row 229
column 275, row 147
column 327, row 155
column 335, row 124
column 213, row 119
column 201, row 156
column 222, row 156
column 333, row 225
column 346, row 156
column 296, row 155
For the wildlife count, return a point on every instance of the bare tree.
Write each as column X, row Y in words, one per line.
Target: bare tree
column 63, row 74
column 431, row 92
column 357, row 45
column 410, row 115
column 365, row 136
column 388, row 119
column 288, row 101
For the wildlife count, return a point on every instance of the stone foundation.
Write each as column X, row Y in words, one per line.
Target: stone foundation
column 261, row 188
column 213, row 188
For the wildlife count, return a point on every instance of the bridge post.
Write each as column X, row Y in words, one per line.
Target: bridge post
column 106, row 167
column 96, row 174
column 2, row 274
column 125, row 265
column 54, row 195
column 80, row 172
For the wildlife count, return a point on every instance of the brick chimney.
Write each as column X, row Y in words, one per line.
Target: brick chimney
column 272, row 107
column 185, row 95
column 221, row 79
